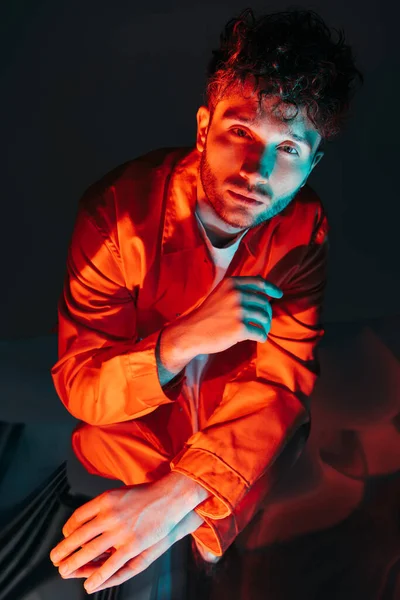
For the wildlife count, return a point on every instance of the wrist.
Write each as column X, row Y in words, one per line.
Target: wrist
column 186, row 492
column 175, row 351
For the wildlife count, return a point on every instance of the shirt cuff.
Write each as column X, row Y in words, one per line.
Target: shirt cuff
column 219, row 528
column 143, row 370
column 228, row 510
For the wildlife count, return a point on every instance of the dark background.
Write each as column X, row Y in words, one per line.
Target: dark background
column 89, row 85
column 86, row 86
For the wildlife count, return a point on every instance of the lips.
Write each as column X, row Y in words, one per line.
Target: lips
column 248, row 199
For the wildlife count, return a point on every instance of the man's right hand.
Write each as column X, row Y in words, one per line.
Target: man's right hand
column 237, row 309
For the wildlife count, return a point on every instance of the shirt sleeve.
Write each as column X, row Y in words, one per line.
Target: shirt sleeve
column 104, row 373
column 264, row 413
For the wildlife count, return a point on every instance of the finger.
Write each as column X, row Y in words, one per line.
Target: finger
column 122, row 575
column 272, row 289
column 139, row 563
column 86, row 554
column 86, row 571
column 78, row 539
column 92, row 566
column 82, row 514
column 268, row 307
column 259, row 284
column 82, row 572
column 108, row 570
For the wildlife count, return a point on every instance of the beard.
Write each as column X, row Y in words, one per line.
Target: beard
column 241, row 216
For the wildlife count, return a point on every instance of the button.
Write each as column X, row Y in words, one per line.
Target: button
column 178, row 314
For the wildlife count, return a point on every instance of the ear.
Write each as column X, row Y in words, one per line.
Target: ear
column 203, row 120
column 317, row 158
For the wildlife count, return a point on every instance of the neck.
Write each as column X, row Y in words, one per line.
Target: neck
column 218, row 238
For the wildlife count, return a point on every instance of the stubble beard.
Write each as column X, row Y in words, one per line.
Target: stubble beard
column 242, row 217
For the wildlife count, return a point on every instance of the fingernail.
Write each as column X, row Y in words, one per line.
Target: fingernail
column 89, row 587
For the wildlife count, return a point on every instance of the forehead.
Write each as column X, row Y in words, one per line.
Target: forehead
column 270, row 112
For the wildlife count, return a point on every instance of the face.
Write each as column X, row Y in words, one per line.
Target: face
column 247, row 149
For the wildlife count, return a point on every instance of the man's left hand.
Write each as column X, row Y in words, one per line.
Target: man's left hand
column 140, row 522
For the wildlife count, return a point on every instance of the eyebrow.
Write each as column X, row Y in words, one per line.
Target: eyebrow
column 231, row 116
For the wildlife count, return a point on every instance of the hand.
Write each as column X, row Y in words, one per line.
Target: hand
column 136, row 565
column 131, row 520
column 237, row 309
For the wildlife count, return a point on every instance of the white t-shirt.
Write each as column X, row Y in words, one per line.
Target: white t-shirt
column 222, row 258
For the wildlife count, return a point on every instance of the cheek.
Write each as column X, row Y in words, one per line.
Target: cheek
column 224, row 153
column 288, row 175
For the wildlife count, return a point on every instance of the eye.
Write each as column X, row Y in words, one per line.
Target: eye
column 291, row 147
column 239, row 129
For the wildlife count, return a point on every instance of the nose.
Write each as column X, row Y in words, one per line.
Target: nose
column 255, row 171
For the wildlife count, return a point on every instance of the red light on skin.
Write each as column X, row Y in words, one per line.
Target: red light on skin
column 244, row 199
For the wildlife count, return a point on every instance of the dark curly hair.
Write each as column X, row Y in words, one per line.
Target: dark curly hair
column 293, row 55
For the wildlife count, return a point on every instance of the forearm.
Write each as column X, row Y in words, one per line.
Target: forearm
column 118, row 383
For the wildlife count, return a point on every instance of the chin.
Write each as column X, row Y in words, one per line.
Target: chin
column 237, row 222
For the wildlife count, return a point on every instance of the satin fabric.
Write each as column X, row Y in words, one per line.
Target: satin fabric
column 137, row 262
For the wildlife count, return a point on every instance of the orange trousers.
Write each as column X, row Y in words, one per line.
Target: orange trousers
column 134, row 452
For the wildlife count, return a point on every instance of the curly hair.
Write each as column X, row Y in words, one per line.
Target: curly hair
column 294, row 56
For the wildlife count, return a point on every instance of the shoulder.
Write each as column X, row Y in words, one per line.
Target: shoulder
column 129, row 182
column 310, row 211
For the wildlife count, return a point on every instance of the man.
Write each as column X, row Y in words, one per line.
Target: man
column 190, row 316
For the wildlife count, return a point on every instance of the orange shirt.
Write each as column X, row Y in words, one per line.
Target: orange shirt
column 137, row 260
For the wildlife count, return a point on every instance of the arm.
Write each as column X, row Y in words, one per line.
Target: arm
column 170, row 357
column 263, row 419
column 104, row 374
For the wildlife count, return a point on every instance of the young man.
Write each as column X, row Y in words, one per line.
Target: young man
column 190, row 316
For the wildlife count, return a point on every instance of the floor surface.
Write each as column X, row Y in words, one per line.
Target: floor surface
column 331, row 530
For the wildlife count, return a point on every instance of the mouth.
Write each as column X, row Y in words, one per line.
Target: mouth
column 245, row 199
